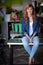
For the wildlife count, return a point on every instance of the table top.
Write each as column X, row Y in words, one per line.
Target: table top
column 15, row 40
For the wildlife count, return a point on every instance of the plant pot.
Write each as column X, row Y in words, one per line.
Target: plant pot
column 7, row 18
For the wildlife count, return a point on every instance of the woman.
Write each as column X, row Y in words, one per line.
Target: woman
column 30, row 27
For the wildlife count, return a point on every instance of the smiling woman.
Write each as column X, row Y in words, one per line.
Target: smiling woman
column 30, row 28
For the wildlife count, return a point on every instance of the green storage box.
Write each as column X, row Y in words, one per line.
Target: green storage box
column 17, row 27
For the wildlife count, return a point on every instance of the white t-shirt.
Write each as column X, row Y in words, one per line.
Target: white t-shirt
column 30, row 28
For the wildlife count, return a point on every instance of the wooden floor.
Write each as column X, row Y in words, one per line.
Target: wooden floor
column 20, row 56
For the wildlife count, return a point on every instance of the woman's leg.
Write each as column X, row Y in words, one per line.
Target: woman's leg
column 26, row 45
column 35, row 46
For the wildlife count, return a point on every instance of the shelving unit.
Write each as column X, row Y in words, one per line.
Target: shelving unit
column 7, row 29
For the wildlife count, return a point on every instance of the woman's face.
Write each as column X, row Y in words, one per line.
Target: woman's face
column 30, row 11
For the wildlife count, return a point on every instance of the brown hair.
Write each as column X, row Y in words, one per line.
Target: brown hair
column 25, row 14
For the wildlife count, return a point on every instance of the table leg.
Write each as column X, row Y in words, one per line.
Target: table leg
column 11, row 55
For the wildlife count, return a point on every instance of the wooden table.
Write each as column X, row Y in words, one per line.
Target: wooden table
column 11, row 43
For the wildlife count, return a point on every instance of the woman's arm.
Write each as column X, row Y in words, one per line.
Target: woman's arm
column 33, row 35
column 23, row 29
column 27, row 35
column 30, row 40
column 36, row 28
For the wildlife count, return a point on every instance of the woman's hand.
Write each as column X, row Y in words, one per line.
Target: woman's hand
column 30, row 40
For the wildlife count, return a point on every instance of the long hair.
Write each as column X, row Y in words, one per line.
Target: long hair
column 25, row 14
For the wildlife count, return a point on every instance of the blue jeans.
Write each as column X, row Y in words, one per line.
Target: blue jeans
column 31, row 51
